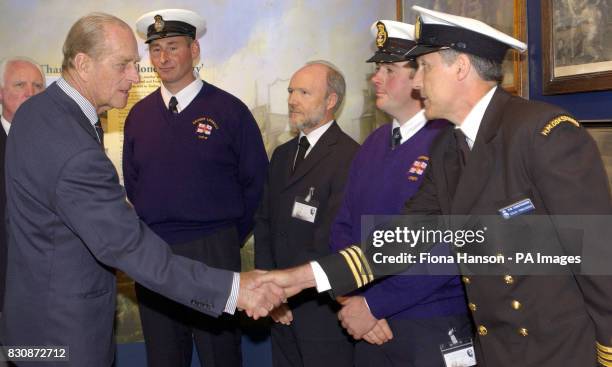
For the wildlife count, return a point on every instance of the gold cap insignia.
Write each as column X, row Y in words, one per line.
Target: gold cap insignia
column 555, row 122
column 381, row 35
column 159, row 23
column 417, row 29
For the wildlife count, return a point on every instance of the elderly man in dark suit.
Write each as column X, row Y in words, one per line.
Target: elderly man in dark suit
column 20, row 79
column 304, row 190
column 70, row 223
column 526, row 164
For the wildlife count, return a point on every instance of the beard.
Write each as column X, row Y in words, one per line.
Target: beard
column 308, row 121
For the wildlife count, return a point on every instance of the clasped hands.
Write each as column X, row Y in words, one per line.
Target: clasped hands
column 265, row 293
column 262, row 292
column 356, row 317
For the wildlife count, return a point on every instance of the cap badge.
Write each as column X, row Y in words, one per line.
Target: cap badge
column 417, row 29
column 381, row 35
column 159, row 23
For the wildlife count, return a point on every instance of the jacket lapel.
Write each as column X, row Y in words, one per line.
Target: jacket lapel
column 450, row 166
column 318, row 152
column 480, row 163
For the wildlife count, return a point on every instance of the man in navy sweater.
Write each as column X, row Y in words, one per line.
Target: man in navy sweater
column 194, row 166
column 404, row 318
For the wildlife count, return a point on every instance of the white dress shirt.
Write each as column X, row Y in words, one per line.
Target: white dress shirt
column 5, row 125
column 185, row 95
column 410, row 127
column 472, row 121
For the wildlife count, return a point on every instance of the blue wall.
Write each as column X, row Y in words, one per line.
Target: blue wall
column 586, row 105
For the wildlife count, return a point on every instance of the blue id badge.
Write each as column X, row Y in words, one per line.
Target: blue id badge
column 518, row 208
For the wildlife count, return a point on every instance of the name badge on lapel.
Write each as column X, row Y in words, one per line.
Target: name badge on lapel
column 518, row 208
column 458, row 353
column 305, row 208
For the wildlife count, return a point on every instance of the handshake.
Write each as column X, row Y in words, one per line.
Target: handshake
column 265, row 294
column 263, row 291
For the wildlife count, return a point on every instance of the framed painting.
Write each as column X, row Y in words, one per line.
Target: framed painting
column 507, row 16
column 576, row 48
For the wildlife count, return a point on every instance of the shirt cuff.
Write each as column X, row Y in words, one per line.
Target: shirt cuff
column 230, row 306
column 365, row 300
column 320, row 277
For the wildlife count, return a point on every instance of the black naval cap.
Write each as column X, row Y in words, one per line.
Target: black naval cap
column 170, row 23
column 435, row 30
column 393, row 40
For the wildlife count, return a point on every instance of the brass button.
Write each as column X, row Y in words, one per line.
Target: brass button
column 472, row 306
column 516, row 304
column 482, row 331
column 466, row 280
column 523, row 331
column 508, row 279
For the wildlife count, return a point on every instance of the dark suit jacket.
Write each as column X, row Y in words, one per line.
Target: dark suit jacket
column 522, row 151
column 69, row 226
column 282, row 241
column 2, row 219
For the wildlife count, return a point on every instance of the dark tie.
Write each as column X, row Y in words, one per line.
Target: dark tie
column 302, row 148
column 172, row 105
column 100, row 133
column 396, row 138
column 462, row 147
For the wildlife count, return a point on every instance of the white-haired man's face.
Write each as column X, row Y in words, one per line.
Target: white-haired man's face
column 21, row 81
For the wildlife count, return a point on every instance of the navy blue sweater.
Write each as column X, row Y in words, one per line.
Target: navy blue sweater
column 190, row 174
column 381, row 180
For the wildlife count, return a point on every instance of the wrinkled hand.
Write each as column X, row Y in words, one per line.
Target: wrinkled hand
column 380, row 333
column 292, row 280
column 355, row 317
column 282, row 314
column 258, row 298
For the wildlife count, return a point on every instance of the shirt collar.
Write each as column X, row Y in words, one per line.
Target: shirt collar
column 5, row 124
column 472, row 121
column 87, row 107
column 314, row 136
column 410, row 127
column 185, row 95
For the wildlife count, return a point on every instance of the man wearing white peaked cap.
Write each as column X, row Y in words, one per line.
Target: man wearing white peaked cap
column 403, row 319
column 524, row 152
column 194, row 167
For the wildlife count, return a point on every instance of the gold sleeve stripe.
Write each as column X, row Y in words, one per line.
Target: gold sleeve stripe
column 355, row 256
column 604, row 354
column 365, row 262
column 349, row 261
column 556, row 121
column 604, row 362
column 603, row 348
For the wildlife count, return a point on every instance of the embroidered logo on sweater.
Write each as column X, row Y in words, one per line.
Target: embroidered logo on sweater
column 204, row 127
column 418, row 168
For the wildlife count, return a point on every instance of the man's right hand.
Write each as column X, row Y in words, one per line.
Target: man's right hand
column 292, row 280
